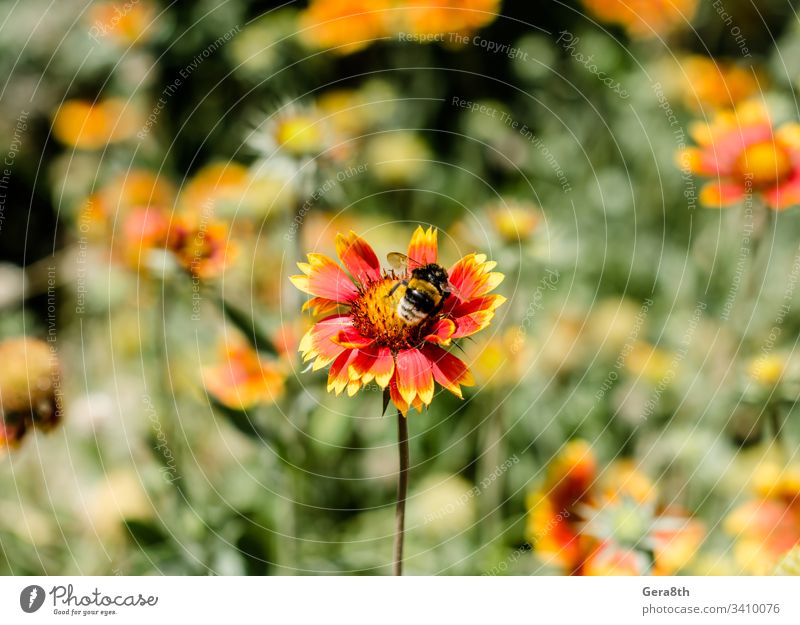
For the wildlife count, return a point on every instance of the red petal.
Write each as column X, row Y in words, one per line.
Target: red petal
column 324, row 278
column 414, row 376
column 785, row 194
column 358, row 257
column 339, row 376
column 441, row 332
column 320, row 306
column 423, row 248
column 373, row 363
column 471, row 324
column 719, row 194
column 487, row 302
column 448, row 370
column 398, row 400
column 318, row 341
column 473, row 276
column 352, row 338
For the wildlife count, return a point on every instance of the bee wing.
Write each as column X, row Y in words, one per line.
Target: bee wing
column 398, row 261
column 452, row 288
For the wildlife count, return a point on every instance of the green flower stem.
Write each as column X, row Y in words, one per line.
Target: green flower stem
column 402, row 493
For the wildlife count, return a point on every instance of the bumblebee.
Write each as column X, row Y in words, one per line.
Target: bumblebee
column 427, row 288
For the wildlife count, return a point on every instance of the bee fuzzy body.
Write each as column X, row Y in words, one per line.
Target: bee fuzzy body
column 426, row 290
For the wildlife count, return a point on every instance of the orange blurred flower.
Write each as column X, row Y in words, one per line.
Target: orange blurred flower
column 345, row 26
column 214, row 183
column 371, row 341
column 91, row 126
column 30, row 394
column 606, row 524
column 643, row 18
column 767, row 526
column 430, row 17
column 201, row 247
column 129, row 23
column 710, row 83
column 742, row 151
column 243, row 378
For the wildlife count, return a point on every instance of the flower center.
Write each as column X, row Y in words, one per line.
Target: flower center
column 375, row 316
column 299, row 135
column 764, row 163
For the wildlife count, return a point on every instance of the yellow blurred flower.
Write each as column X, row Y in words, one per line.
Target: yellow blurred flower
column 513, row 220
column 643, row 18
column 503, row 359
column 120, row 496
column 243, row 379
column 30, row 389
column 398, row 157
column 442, row 505
column 716, row 84
column 345, row 26
column 613, row 322
column 650, row 362
column 91, row 126
column 767, row 370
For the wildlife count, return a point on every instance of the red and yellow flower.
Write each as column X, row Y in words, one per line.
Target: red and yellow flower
column 365, row 340
column 768, row 526
column 201, row 246
column 643, row 18
column 608, row 523
column 745, row 154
